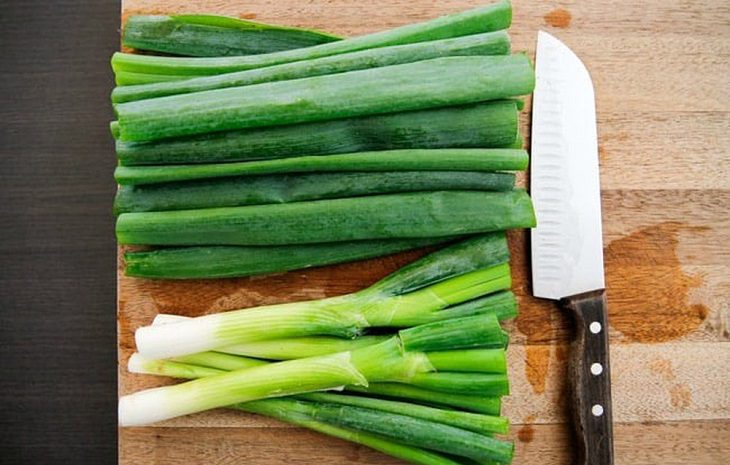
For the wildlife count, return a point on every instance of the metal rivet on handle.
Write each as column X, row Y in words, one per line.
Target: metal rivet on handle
column 596, row 369
column 597, row 410
column 595, row 327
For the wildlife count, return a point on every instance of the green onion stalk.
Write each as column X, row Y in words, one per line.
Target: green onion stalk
column 302, row 410
column 402, row 358
column 439, row 82
column 481, row 423
column 422, row 160
column 186, row 368
column 398, row 391
column 428, row 290
column 486, row 360
column 501, row 304
column 213, row 35
column 492, row 43
column 482, row 360
column 487, row 125
column 297, row 187
column 220, row 261
column 479, row 20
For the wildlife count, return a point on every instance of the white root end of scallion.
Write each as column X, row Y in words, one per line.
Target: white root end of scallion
column 144, row 407
column 176, row 339
column 138, row 364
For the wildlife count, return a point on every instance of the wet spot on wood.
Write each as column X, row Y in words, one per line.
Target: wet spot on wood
column 648, row 293
column 702, row 311
column 539, row 320
column 559, row 17
column 537, row 365
column 561, row 353
column 526, row 433
column 680, row 396
column 663, row 368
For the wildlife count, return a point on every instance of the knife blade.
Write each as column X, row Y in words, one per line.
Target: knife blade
column 567, row 245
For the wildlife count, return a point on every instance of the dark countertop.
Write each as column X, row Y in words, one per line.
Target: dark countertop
column 57, row 249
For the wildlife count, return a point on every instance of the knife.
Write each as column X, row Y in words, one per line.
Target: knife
column 567, row 247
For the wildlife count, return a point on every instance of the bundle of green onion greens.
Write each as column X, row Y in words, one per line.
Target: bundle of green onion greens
column 262, row 149
column 251, row 149
column 440, row 351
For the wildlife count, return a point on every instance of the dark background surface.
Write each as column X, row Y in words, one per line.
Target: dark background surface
column 57, row 249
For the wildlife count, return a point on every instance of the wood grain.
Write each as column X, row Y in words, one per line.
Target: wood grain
column 660, row 72
column 673, row 384
column 666, row 443
column 650, row 382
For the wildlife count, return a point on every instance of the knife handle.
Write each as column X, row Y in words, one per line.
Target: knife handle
column 591, row 378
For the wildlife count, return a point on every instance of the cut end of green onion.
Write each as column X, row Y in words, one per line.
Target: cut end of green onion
column 144, row 407
column 138, row 364
column 164, row 341
column 114, row 129
column 457, row 333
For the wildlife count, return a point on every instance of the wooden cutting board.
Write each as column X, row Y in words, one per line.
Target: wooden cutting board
column 660, row 72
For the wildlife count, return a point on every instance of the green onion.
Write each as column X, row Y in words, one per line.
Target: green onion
column 420, row 420
column 417, row 432
column 285, row 410
column 414, row 86
column 385, row 161
column 272, row 380
column 236, row 261
column 502, row 304
column 462, row 257
column 128, row 78
column 275, row 349
column 171, row 368
column 281, row 410
column 285, row 349
column 490, row 124
column 411, row 215
column 290, row 409
column 287, row 188
column 413, row 295
column 492, row 43
column 475, row 379
column 211, row 35
column 483, row 384
column 385, row 361
column 473, row 403
column 470, row 361
column 228, row 362
column 480, row 403
column 485, row 19
column 423, row 337
column 479, row 423
column 482, row 360
column 345, row 316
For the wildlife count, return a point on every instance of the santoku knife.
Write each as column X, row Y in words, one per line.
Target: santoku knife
column 567, row 248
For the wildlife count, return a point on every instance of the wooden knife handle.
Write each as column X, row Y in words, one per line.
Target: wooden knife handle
column 591, row 378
